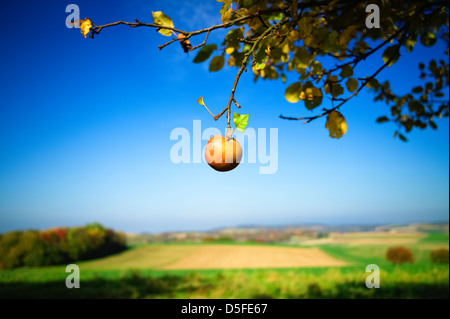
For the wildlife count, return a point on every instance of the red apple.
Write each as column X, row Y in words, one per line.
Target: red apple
column 222, row 154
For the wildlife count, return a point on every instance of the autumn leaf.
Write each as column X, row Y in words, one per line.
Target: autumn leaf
column 292, row 93
column 85, row 26
column 336, row 124
column 161, row 19
column 200, row 101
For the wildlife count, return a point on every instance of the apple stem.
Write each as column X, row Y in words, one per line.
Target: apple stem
column 229, row 134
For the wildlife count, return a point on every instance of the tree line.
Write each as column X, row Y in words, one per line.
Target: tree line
column 58, row 245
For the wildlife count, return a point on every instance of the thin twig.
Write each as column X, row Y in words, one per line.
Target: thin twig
column 208, row 110
column 363, row 56
column 261, row 19
column 201, row 44
column 162, row 46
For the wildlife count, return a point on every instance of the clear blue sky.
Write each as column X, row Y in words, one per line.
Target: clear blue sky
column 85, row 126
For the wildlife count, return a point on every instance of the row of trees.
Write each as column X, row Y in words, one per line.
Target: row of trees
column 58, row 245
column 400, row 255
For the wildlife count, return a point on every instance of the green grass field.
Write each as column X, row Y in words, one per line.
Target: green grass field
column 139, row 273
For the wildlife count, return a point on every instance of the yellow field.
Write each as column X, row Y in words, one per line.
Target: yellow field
column 152, row 256
column 232, row 256
column 214, row 257
column 368, row 238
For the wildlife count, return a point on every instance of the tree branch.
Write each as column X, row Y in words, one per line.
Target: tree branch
column 96, row 29
column 363, row 56
column 366, row 80
column 203, row 43
column 244, row 65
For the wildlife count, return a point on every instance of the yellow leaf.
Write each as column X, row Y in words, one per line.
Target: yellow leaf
column 336, row 124
column 311, row 93
column 200, row 101
column 293, row 91
column 226, row 16
column 85, row 26
column 302, row 95
column 229, row 50
column 161, row 19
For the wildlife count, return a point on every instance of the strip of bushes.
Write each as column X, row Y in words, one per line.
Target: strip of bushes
column 400, row 255
column 58, row 245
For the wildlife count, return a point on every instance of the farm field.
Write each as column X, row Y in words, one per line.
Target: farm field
column 327, row 270
column 215, row 257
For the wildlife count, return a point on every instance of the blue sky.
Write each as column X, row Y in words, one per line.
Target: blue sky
column 85, row 126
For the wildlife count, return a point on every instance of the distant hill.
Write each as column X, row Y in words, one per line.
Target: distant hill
column 285, row 234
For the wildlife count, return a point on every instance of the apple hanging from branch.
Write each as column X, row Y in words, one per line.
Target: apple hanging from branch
column 225, row 153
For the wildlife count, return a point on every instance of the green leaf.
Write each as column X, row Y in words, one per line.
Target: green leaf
column 233, row 36
column 305, row 26
column 160, row 18
column 331, row 44
column 346, row 71
column 261, row 58
column 382, row 119
column 402, row 137
column 240, row 121
column 204, row 53
column 433, row 125
column 311, row 96
column 410, row 45
column 417, row 89
column 352, row 84
column 292, row 93
column 421, row 66
column 391, row 54
column 428, row 39
column 216, row 63
column 337, row 90
column 261, row 55
column 347, row 35
column 373, row 83
column 303, row 57
column 276, row 16
column 260, row 66
column 316, row 67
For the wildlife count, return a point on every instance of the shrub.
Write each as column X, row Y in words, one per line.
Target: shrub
column 314, row 291
column 439, row 256
column 399, row 255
